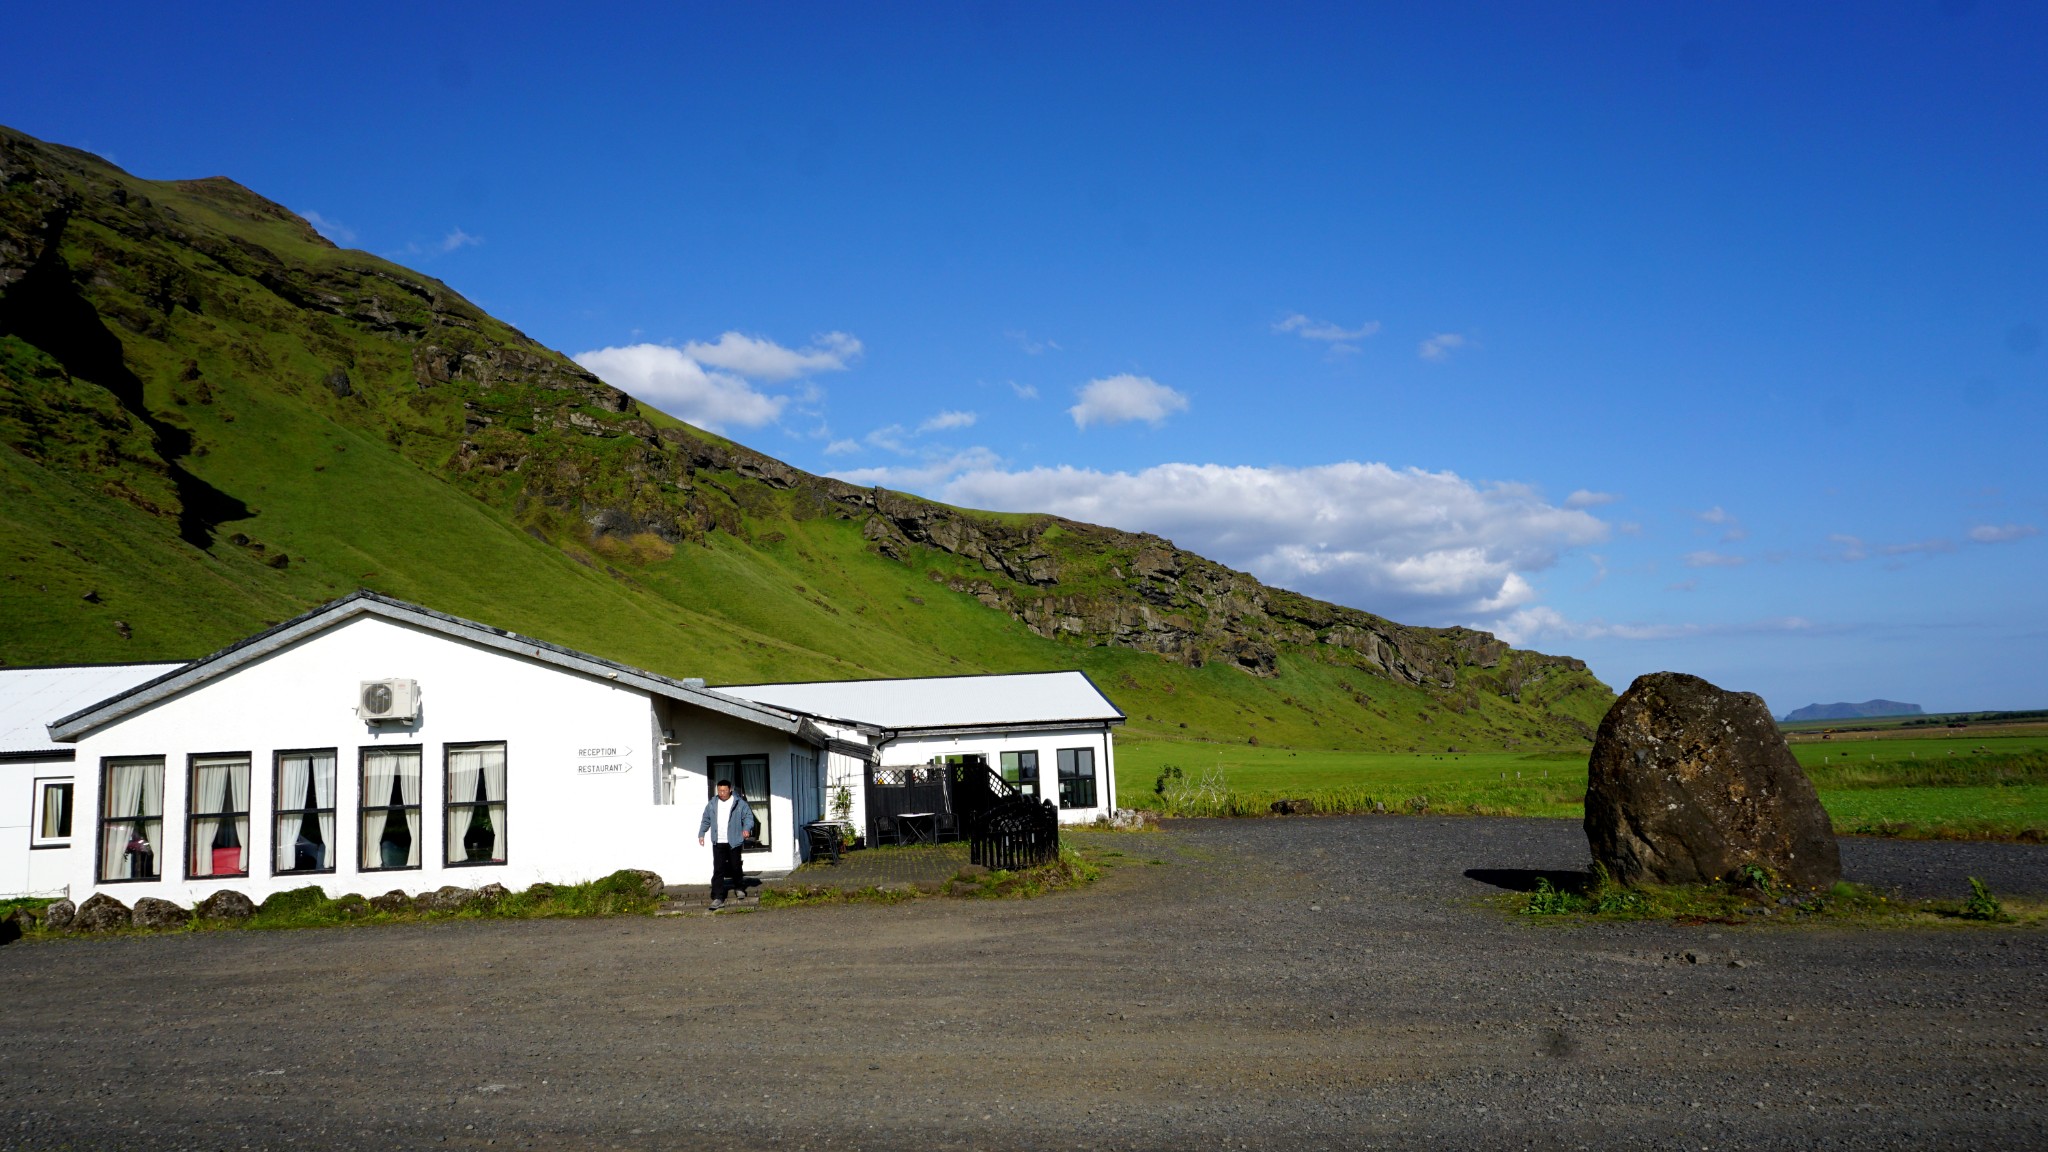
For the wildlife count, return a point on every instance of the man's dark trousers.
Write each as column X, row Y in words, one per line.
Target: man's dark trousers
column 725, row 871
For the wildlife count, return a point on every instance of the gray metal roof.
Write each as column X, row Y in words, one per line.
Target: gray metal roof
column 32, row 697
column 366, row 603
column 1027, row 699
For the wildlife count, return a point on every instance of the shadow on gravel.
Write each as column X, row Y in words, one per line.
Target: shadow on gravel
column 1525, row 879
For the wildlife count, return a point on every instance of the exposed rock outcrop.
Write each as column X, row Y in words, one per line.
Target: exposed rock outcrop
column 1688, row 783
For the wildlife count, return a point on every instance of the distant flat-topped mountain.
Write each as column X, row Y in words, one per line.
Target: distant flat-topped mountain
column 211, row 418
column 1867, row 710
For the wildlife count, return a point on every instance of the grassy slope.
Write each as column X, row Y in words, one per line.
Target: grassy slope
column 357, row 492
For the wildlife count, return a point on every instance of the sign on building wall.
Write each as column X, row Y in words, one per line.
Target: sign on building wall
column 603, row 760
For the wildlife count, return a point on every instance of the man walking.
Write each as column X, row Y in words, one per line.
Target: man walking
column 730, row 821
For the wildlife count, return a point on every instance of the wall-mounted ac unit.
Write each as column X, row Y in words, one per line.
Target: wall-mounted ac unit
column 389, row 700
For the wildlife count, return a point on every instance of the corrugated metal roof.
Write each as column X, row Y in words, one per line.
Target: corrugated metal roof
column 32, row 697
column 943, row 701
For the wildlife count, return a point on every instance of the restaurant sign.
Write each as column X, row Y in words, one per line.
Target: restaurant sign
column 603, row 760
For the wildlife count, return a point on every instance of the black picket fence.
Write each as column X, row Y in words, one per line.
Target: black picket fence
column 1013, row 833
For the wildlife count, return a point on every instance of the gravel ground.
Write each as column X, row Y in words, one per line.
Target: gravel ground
column 1274, row 983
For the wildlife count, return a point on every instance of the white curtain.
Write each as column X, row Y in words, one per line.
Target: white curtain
column 471, row 769
column 133, row 805
column 323, row 795
column 218, row 786
column 293, row 773
column 409, row 788
column 378, row 768
column 305, row 780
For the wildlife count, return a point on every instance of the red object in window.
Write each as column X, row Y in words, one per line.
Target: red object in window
column 227, row 861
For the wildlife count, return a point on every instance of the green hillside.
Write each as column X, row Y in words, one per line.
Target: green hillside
column 212, row 419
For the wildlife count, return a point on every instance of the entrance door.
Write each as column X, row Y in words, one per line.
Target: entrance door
column 749, row 776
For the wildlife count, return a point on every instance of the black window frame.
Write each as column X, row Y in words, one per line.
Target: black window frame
column 363, row 807
column 278, row 811
column 1036, row 782
column 67, row 814
column 731, row 771
column 1070, row 780
column 449, row 804
column 192, row 817
column 99, row 854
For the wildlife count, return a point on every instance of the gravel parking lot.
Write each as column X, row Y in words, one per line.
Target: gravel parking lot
column 1293, row 983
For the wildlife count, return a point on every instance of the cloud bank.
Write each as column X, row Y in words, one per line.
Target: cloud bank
column 1403, row 542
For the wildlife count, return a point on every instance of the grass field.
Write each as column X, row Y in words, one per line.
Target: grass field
column 1988, row 784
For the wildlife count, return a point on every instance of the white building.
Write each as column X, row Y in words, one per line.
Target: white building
column 372, row 745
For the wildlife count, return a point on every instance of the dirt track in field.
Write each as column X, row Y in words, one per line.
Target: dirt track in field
column 1276, row 983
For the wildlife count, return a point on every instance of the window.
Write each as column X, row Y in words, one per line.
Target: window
column 476, row 804
column 131, row 817
column 1021, row 770
column 53, row 814
column 305, row 812
column 391, row 808
column 217, row 817
column 1077, row 777
column 749, row 776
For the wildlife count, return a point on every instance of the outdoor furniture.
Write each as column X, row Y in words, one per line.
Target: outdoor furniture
column 917, row 827
column 826, row 836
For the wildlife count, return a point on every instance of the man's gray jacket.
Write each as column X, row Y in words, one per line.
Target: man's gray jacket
column 738, row 825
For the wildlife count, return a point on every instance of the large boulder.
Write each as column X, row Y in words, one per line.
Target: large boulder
column 151, row 912
column 227, row 906
column 58, row 917
column 102, row 913
column 1689, row 783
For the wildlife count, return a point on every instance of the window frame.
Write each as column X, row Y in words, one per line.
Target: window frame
column 1036, row 784
column 100, row 877
column 1094, row 790
column 192, row 818
column 762, row 816
column 278, row 811
column 36, row 838
column 363, row 806
column 449, row 804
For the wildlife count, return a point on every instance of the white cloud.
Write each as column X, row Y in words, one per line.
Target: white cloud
column 1853, row 548
column 714, row 385
column 1932, row 547
column 676, row 384
column 1731, row 528
column 459, row 239
column 1404, row 542
column 892, row 437
column 2002, row 533
column 1440, row 346
column 842, row 447
column 1586, row 499
column 334, row 230
column 1529, row 625
column 947, row 420
column 1031, row 347
column 1024, row 391
column 1124, row 398
column 1325, row 331
column 1710, row 559
column 759, row 359
column 924, row 477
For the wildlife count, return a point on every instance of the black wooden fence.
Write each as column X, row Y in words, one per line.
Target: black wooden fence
column 1015, row 832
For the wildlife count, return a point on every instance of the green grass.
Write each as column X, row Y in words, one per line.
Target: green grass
column 1999, row 793
column 1843, row 905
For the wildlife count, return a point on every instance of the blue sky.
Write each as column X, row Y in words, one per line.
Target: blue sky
column 1701, row 337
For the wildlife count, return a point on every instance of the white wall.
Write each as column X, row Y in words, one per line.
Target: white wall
column 563, row 825
column 26, row 871
column 1046, row 742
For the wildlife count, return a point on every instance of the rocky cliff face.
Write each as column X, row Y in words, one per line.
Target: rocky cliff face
column 149, row 290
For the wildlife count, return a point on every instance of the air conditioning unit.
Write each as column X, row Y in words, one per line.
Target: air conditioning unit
column 389, row 700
